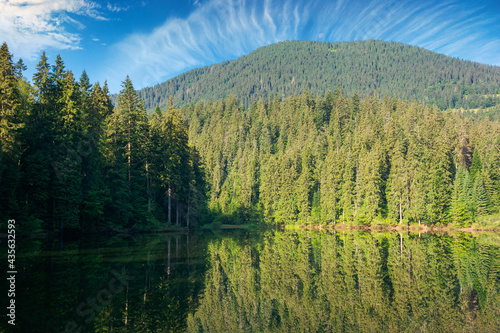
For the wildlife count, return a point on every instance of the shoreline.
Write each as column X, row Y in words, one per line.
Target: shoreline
column 399, row 228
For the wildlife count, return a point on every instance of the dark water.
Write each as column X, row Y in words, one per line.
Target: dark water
column 237, row 281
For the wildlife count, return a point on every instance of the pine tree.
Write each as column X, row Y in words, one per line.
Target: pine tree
column 127, row 135
column 173, row 168
column 419, row 181
column 440, row 185
column 476, row 166
column 303, row 188
column 67, row 158
column 9, row 105
column 347, row 200
column 37, row 163
column 94, row 192
column 460, row 195
column 10, row 124
column 480, row 197
column 397, row 190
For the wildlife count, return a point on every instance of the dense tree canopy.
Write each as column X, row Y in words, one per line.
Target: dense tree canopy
column 330, row 159
column 365, row 67
column 70, row 160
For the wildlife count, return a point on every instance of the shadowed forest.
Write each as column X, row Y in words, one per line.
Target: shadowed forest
column 71, row 160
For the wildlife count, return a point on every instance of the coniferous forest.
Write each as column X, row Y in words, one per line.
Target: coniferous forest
column 70, row 160
column 364, row 67
column 329, row 159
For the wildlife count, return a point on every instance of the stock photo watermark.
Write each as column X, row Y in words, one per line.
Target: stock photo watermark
column 11, row 271
column 94, row 305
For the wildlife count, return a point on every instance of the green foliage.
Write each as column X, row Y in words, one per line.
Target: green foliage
column 367, row 161
column 70, row 161
column 73, row 161
column 10, row 125
column 365, row 67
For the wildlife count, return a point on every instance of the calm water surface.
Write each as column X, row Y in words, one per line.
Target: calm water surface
column 238, row 281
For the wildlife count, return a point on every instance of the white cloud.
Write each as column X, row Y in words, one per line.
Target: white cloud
column 217, row 29
column 225, row 29
column 29, row 26
column 116, row 8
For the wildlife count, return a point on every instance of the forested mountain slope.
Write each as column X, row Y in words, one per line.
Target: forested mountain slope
column 366, row 67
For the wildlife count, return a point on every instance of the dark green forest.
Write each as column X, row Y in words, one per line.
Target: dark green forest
column 72, row 161
column 327, row 159
column 287, row 68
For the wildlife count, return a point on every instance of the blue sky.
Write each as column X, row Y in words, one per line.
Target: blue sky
column 154, row 40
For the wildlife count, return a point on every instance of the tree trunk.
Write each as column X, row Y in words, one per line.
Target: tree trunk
column 129, row 162
column 148, row 189
column 401, row 246
column 400, row 211
column 125, row 319
column 169, row 219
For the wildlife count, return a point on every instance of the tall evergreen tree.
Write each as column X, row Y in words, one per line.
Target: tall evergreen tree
column 476, row 166
column 127, row 136
column 397, row 190
column 10, row 124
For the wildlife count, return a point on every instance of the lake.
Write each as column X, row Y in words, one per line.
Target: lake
column 270, row 281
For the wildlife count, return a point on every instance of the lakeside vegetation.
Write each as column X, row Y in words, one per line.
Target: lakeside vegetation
column 70, row 160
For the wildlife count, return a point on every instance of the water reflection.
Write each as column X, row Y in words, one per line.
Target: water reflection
column 319, row 282
column 262, row 282
column 122, row 284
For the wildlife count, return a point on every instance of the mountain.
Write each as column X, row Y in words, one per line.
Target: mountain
column 365, row 67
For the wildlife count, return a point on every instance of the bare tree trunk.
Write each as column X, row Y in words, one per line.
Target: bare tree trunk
column 128, row 161
column 400, row 210
column 401, row 246
column 125, row 319
column 146, row 281
column 169, row 193
column 148, row 189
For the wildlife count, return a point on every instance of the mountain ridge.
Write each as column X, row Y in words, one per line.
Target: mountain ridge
column 365, row 67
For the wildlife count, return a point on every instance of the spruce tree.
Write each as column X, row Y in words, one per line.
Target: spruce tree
column 397, row 190
column 127, row 135
column 476, row 166
column 10, row 125
column 480, row 197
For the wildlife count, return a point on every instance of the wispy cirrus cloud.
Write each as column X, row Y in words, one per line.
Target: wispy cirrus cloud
column 116, row 8
column 224, row 29
column 29, row 26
